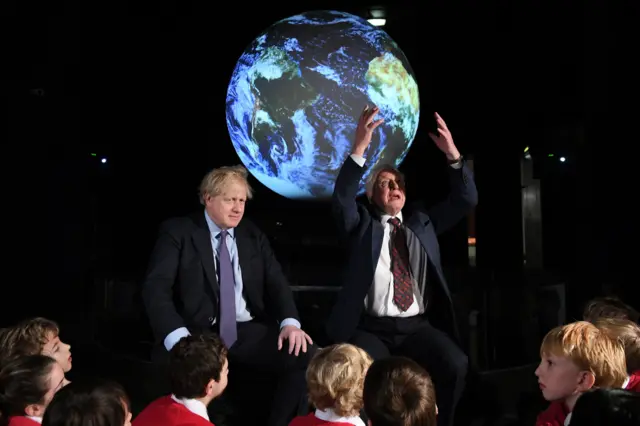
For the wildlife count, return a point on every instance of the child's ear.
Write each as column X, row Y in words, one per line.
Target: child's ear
column 587, row 380
column 34, row 410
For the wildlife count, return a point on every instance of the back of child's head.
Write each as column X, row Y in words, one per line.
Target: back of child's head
column 94, row 402
column 399, row 392
column 26, row 338
column 609, row 307
column 335, row 378
column 590, row 349
column 24, row 381
column 628, row 333
column 193, row 362
column 604, row 407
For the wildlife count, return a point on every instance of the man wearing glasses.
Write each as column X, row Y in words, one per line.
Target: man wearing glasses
column 394, row 299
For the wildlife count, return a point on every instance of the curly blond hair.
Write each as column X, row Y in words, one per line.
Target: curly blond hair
column 26, row 338
column 335, row 378
column 214, row 182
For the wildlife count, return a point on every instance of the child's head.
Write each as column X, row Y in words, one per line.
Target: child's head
column 89, row 402
column 27, row 385
column 600, row 407
column 629, row 335
column 609, row 307
column 35, row 336
column 335, row 379
column 199, row 367
column 577, row 357
column 398, row 392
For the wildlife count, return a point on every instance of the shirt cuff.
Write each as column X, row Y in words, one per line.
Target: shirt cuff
column 175, row 336
column 359, row 159
column 290, row 321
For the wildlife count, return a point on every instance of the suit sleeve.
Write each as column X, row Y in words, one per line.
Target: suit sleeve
column 345, row 192
column 463, row 197
column 157, row 287
column 276, row 283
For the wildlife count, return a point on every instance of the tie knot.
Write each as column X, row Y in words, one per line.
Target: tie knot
column 223, row 234
column 395, row 222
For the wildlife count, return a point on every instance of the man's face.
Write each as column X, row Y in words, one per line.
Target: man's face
column 559, row 378
column 388, row 193
column 227, row 209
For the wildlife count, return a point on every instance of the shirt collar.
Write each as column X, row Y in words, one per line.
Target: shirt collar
column 215, row 229
column 329, row 416
column 193, row 405
column 35, row 419
column 626, row 382
column 385, row 218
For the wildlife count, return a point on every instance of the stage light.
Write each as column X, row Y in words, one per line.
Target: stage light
column 377, row 22
column 103, row 161
column 562, row 159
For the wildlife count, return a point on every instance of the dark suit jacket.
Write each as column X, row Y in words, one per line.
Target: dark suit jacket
column 360, row 225
column 181, row 287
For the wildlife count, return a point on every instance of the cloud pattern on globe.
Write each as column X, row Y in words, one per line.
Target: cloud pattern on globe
column 298, row 90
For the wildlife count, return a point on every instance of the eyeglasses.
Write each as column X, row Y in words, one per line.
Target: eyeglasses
column 388, row 183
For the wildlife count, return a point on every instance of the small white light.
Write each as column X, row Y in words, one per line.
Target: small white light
column 562, row 159
column 377, row 22
column 103, row 161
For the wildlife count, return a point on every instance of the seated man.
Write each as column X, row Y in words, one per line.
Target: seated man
column 35, row 336
column 89, row 402
column 394, row 291
column 198, row 368
column 576, row 358
column 398, row 391
column 213, row 271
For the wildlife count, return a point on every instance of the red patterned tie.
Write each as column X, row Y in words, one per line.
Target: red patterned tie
column 402, row 285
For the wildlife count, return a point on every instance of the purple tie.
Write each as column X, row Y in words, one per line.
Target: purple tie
column 228, row 329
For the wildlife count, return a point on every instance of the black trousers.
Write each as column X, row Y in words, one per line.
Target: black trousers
column 416, row 338
column 256, row 350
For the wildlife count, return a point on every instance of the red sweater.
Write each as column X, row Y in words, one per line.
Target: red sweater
column 634, row 382
column 22, row 421
column 554, row 415
column 167, row 412
column 311, row 420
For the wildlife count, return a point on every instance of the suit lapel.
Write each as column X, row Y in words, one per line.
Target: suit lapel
column 202, row 242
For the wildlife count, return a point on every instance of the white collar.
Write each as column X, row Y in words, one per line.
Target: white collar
column 626, row 382
column 385, row 218
column 193, row 405
column 329, row 416
column 35, row 419
column 567, row 419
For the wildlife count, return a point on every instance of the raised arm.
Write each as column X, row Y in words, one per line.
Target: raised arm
column 463, row 195
column 345, row 192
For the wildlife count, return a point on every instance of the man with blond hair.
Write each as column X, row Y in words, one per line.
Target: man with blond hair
column 212, row 271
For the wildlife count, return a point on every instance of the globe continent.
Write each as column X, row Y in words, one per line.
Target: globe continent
column 297, row 93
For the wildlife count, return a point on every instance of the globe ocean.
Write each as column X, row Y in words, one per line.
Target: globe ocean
column 298, row 90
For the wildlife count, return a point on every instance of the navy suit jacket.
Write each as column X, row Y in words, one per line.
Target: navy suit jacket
column 360, row 225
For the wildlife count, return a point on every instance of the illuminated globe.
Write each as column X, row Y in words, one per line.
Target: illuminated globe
column 298, row 90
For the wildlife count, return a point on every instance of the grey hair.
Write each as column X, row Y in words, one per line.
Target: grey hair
column 373, row 176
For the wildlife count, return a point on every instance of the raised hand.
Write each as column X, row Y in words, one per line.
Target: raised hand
column 444, row 140
column 366, row 126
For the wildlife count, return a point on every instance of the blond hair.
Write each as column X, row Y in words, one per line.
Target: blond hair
column 628, row 333
column 373, row 177
column 335, row 378
column 214, row 182
column 590, row 349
